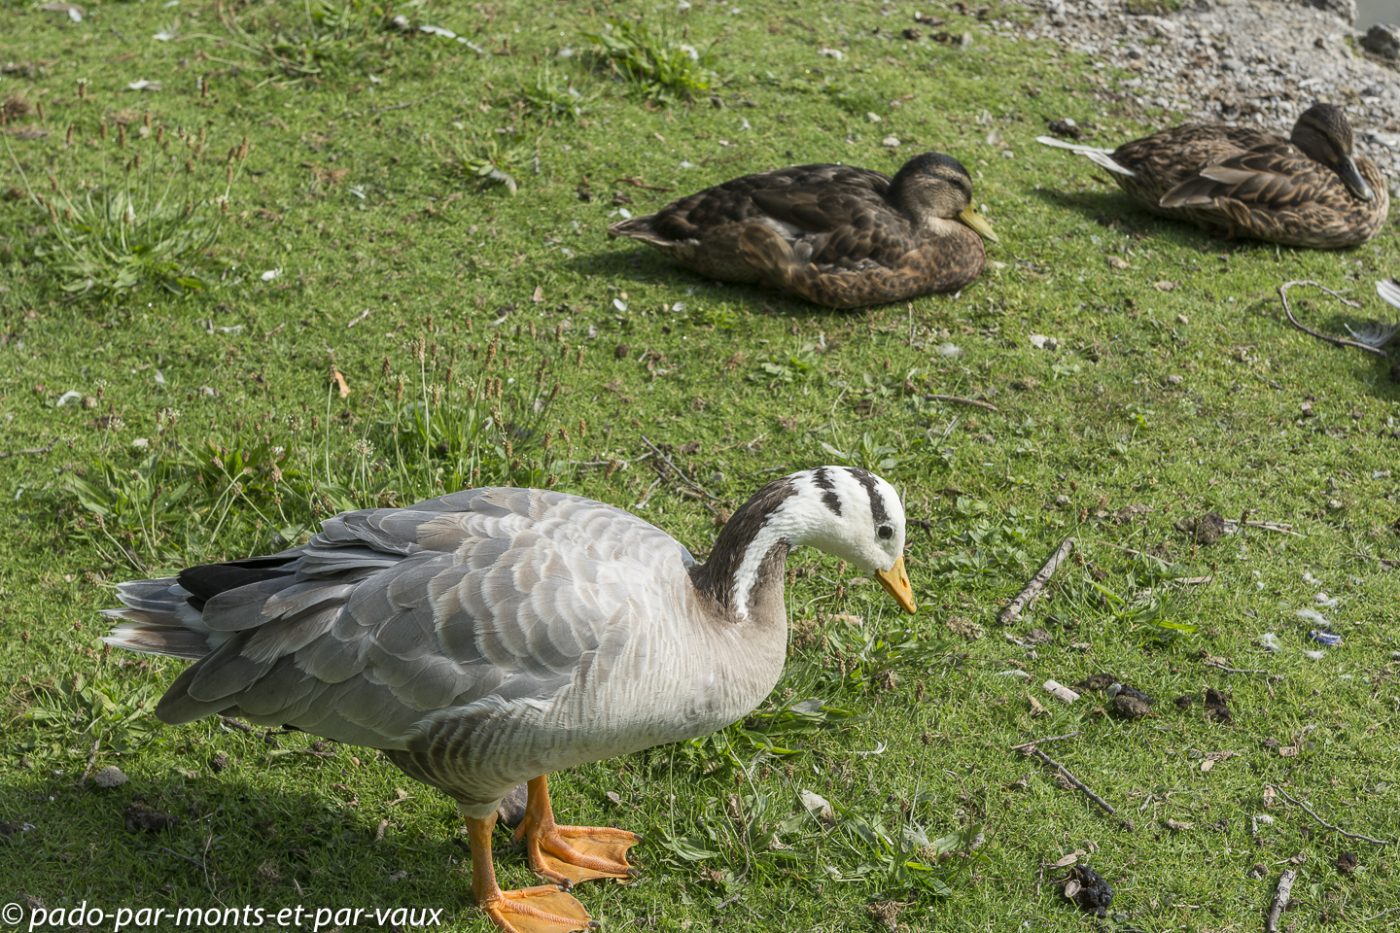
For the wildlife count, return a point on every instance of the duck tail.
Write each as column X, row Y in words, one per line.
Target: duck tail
column 637, row 228
column 1100, row 157
column 1389, row 290
column 156, row 618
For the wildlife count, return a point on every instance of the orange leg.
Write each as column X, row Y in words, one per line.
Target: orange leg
column 570, row 854
column 541, row 909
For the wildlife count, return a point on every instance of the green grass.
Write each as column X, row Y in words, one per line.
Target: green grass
column 144, row 427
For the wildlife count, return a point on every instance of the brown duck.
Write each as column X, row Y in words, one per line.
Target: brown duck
column 835, row 235
column 1308, row 190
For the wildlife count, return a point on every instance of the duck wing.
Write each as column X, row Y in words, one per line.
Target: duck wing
column 1272, row 177
column 800, row 198
column 485, row 599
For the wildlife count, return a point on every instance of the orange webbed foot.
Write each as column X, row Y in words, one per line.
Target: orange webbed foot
column 542, row 909
column 573, row 854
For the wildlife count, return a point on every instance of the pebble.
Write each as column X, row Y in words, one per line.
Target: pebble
column 1384, row 40
column 110, row 776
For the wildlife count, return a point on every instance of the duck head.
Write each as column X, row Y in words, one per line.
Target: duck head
column 1324, row 135
column 937, row 186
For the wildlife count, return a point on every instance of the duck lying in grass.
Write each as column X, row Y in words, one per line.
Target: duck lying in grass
column 492, row 636
column 1308, row 190
column 835, row 235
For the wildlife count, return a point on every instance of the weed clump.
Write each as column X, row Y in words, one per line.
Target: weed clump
column 181, row 499
column 659, row 68
column 147, row 224
column 311, row 40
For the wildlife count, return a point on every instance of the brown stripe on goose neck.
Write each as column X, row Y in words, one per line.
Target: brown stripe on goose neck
column 878, row 512
column 716, row 577
column 829, row 497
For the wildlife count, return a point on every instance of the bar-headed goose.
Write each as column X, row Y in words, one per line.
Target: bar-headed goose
column 492, row 636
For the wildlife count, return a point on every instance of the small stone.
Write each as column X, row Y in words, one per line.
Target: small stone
column 110, row 776
column 890, row 142
column 1117, row 262
column 1383, row 39
column 1174, row 379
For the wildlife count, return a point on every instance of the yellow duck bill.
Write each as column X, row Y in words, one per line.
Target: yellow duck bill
column 977, row 222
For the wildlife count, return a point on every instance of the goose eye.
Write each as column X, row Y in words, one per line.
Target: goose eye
column 884, row 532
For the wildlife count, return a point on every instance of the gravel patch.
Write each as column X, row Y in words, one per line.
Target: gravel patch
column 1247, row 62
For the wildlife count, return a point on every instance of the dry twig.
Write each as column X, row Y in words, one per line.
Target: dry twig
column 960, row 400
column 1049, row 738
column 1076, row 783
column 27, row 451
column 1327, row 338
column 1222, row 666
column 1033, row 589
column 1281, row 896
column 677, row 472
column 1332, row 826
column 1283, row 528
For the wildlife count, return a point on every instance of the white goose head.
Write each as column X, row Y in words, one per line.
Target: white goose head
column 845, row 511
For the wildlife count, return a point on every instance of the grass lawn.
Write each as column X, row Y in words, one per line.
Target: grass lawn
column 420, row 220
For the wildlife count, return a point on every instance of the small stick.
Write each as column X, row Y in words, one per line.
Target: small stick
column 1335, row 341
column 678, row 472
column 959, row 400
column 193, row 861
column 238, row 724
column 1281, row 527
column 1078, row 784
column 646, row 496
column 91, row 761
column 27, row 451
column 1032, row 590
column 1281, row 896
column 1048, row 738
column 1332, row 826
column 1222, row 666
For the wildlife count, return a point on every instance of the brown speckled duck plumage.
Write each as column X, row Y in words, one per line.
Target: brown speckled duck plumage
column 1308, row 190
column 835, row 235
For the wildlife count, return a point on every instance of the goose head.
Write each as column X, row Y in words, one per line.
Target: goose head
column 1324, row 135
column 847, row 512
column 934, row 186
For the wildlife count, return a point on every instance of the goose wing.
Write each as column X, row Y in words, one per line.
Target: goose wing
column 497, row 596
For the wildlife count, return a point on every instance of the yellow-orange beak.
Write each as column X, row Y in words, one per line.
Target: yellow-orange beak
column 896, row 583
column 977, row 222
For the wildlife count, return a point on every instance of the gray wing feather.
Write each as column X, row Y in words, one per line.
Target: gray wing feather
column 460, row 605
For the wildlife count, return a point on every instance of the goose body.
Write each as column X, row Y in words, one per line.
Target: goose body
column 489, row 637
column 1308, row 190
column 834, row 235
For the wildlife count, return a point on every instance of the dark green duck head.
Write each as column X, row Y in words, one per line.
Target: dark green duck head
column 937, row 185
column 1324, row 135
